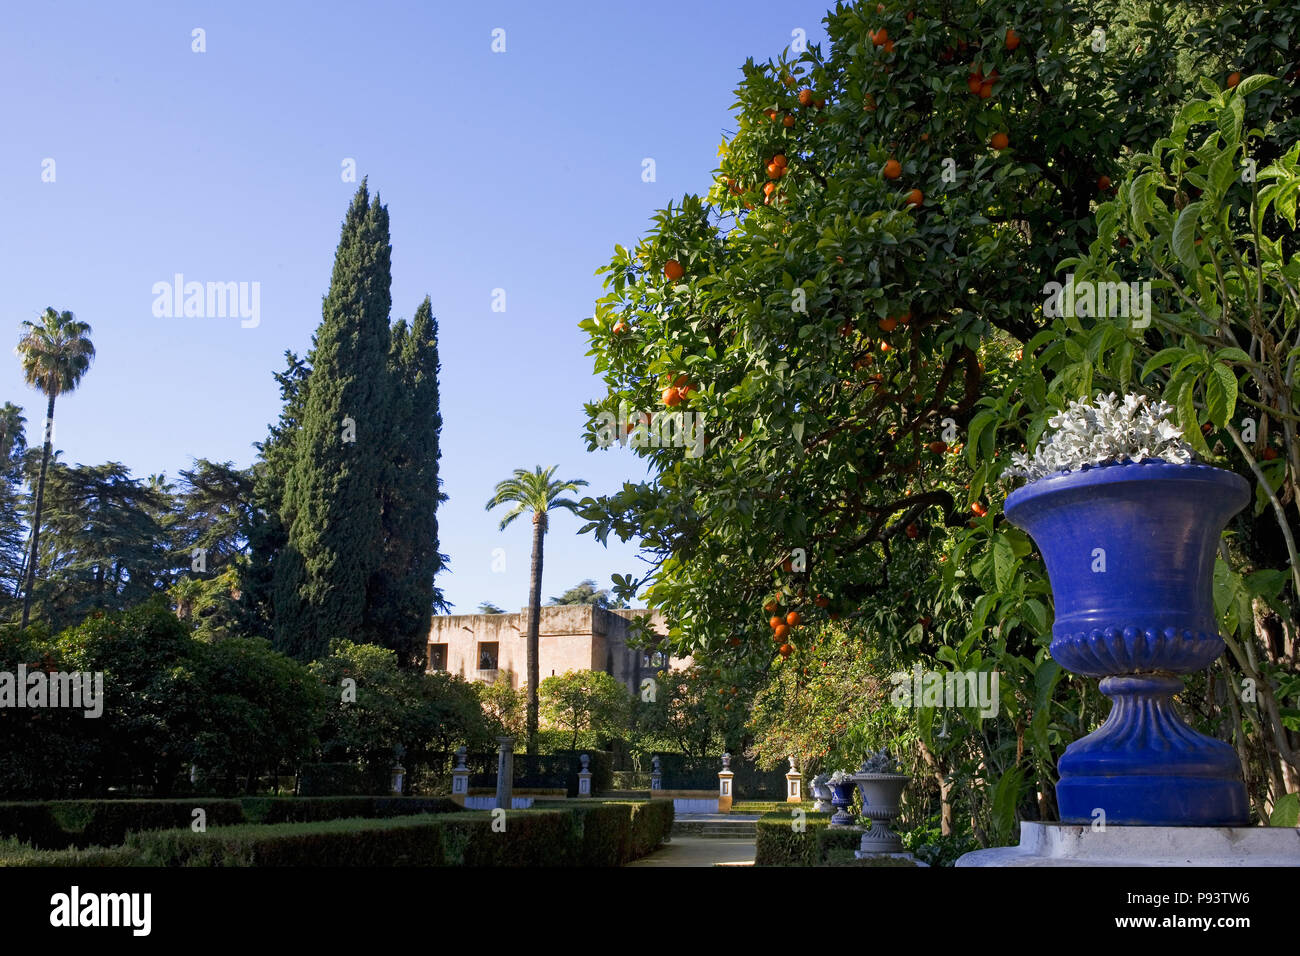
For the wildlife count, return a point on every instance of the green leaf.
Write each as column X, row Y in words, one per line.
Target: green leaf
column 1220, row 394
column 1251, row 83
column 1231, row 354
column 977, row 426
column 1163, row 357
column 1183, row 241
column 1286, row 812
column 1004, row 563
column 1187, row 420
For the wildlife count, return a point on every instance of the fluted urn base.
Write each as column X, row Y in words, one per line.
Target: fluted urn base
column 1146, row 767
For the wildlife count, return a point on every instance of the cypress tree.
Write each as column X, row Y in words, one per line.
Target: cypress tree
column 407, row 595
column 343, row 452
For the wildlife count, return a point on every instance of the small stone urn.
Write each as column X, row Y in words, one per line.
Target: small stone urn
column 842, row 800
column 821, row 793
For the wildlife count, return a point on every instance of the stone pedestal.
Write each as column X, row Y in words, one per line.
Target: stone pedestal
column 584, row 777
column 793, row 784
column 1063, row 844
column 656, row 775
column 398, row 779
column 724, row 785
column 460, row 778
column 505, row 772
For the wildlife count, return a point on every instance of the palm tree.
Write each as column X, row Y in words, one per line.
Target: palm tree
column 535, row 492
column 55, row 354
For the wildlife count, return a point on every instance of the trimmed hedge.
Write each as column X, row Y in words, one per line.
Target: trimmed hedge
column 405, row 832
column 64, row 824
column 820, row 844
column 595, row 834
column 779, row 844
column 15, row 853
column 311, row 809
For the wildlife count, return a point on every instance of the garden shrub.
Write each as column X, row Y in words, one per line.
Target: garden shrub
column 779, row 844
column 398, row 841
column 595, row 834
column 341, row 779
column 603, row 833
column 16, row 853
column 309, row 809
column 652, row 822
column 62, row 824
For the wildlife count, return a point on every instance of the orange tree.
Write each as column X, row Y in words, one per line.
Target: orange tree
column 858, row 277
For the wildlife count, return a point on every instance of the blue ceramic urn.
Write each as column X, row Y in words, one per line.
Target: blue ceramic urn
column 1130, row 554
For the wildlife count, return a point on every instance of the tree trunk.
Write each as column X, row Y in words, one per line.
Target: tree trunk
column 36, row 516
column 534, row 625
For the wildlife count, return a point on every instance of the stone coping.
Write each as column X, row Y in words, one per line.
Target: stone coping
column 1060, row 844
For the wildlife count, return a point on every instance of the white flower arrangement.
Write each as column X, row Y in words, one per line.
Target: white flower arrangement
column 840, row 777
column 1108, row 431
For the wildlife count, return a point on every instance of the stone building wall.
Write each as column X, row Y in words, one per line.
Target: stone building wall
column 570, row 637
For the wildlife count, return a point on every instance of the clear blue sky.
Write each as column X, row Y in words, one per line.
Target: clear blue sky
column 515, row 170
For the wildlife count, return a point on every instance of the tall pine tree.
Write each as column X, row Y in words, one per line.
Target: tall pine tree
column 344, row 452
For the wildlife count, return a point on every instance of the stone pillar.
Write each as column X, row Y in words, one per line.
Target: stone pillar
column 724, row 785
column 793, row 784
column 584, row 777
column 399, row 778
column 656, row 776
column 460, row 778
column 505, row 772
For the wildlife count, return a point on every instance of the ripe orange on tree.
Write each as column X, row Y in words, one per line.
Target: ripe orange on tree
column 906, row 318
column 1013, row 39
column 892, row 169
column 620, row 327
column 888, row 323
column 1103, row 183
column 780, row 160
column 999, row 141
column 1233, row 79
column 771, row 606
column 775, row 621
column 986, row 89
column 774, row 171
column 792, row 618
column 786, row 650
column 787, row 120
column 821, row 600
column 938, row 447
column 769, row 189
column 880, row 37
column 915, row 197
column 781, row 632
column 771, row 114
column 673, row 270
column 671, row 396
column 805, row 97
column 979, row 508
